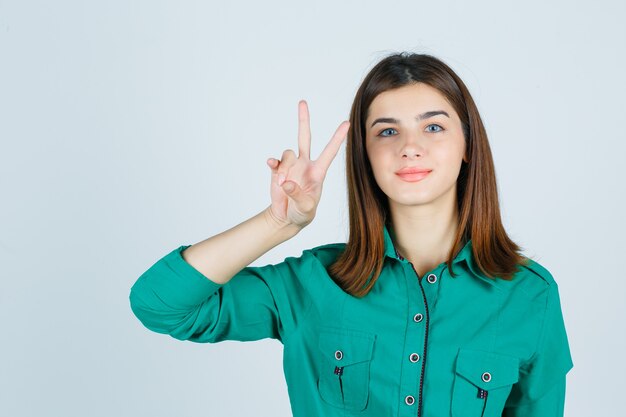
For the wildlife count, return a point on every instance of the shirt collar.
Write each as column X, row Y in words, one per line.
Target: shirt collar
column 464, row 255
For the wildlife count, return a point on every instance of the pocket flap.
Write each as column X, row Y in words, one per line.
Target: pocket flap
column 346, row 347
column 487, row 370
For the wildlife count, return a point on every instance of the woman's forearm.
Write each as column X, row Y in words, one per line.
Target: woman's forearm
column 220, row 257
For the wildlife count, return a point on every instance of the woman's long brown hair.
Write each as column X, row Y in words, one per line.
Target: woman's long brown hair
column 493, row 251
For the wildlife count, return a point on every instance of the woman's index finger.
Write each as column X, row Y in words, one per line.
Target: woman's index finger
column 332, row 147
column 304, row 130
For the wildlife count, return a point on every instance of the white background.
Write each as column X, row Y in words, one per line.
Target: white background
column 128, row 128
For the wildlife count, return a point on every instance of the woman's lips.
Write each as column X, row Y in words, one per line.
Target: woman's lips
column 413, row 177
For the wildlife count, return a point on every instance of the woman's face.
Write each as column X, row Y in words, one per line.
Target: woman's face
column 407, row 127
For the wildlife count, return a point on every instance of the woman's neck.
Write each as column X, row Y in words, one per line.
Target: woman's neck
column 424, row 234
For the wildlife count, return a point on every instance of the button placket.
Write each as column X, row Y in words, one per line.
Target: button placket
column 419, row 300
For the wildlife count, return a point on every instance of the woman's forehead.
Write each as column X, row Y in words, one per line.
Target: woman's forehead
column 409, row 100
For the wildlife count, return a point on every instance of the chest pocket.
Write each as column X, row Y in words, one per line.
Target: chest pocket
column 482, row 383
column 345, row 356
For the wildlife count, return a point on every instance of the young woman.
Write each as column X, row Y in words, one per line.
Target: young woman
column 428, row 310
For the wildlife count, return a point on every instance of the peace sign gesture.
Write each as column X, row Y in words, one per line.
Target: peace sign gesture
column 296, row 185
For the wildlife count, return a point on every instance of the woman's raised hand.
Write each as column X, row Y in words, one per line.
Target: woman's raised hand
column 296, row 185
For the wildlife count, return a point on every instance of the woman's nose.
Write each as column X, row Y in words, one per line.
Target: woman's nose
column 412, row 144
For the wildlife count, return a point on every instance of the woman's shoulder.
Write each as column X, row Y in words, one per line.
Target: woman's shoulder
column 326, row 253
column 533, row 280
column 537, row 270
column 328, row 247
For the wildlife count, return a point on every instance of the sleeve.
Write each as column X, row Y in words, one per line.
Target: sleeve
column 174, row 298
column 540, row 390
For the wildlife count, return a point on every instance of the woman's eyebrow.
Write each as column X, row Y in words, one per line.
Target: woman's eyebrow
column 422, row 116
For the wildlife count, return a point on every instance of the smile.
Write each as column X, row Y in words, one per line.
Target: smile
column 414, row 177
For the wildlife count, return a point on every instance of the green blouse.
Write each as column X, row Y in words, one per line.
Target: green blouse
column 430, row 346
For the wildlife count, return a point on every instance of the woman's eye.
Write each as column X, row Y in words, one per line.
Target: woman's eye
column 382, row 133
column 433, row 131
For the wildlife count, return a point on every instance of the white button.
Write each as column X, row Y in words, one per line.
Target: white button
column 414, row 357
column 338, row 355
column 486, row 377
column 409, row 400
column 418, row 317
column 432, row 278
